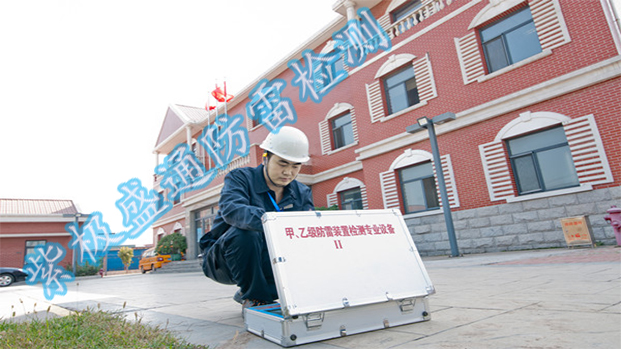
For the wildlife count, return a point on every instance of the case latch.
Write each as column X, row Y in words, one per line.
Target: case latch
column 407, row 305
column 278, row 260
column 314, row 321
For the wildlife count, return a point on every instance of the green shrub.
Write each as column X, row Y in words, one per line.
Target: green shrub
column 86, row 269
column 172, row 244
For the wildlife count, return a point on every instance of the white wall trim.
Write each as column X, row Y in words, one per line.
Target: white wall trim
column 423, row 213
column 39, row 219
column 410, row 157
column 559, row 86
column 528, row 122
column 612, row 17
column 403, row 111
column 168, row 220
column 493, row 9
column 547, row 194
column 202, row 196
column 337, row 109
column 348, row 183
column 515, row 66
column 439, row 22
column 34, row 235
column 393, row 62
column 332, row 173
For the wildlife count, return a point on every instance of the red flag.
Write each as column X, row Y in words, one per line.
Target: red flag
column 209, row 107
column 220, row 95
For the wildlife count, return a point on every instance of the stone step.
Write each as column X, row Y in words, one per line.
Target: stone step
column 181, row 267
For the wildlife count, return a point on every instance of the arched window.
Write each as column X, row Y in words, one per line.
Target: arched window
column 511, row 33
column 406, row 82
column 543, row 153
column 410, row 183
column 339, row 129
column 349, row 194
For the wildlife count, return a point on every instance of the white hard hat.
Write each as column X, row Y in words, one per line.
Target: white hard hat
column 289, row 143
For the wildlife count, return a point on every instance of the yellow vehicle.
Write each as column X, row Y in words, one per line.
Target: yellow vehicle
column 151, row 260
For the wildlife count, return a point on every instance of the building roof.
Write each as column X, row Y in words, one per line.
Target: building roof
column 177, row 118
column 34, row 207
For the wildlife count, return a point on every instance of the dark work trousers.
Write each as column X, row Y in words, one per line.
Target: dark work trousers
column 240, row 257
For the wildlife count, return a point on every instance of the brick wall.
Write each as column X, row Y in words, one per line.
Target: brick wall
column 590, row 43
column 13, row 249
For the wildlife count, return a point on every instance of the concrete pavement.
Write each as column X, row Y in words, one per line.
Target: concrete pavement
column 561, row 298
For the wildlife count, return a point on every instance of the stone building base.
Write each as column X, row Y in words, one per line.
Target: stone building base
column 524, row 225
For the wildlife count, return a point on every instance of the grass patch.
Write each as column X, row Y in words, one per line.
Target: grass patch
column 88, row 329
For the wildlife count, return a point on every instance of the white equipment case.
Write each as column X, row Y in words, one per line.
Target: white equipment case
column 340, row 273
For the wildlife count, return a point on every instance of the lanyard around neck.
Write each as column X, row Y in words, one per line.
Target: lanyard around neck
column 274, row 202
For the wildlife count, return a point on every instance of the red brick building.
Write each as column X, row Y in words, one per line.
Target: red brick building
column 535, row 88
column 25, row 224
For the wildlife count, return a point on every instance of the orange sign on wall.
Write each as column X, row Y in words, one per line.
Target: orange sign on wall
column 577, row 231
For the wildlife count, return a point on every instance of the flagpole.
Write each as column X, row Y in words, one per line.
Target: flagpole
column 209, row 122
column 217, row 130
column 226, row 103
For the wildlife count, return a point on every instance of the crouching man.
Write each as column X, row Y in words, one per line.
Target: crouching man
column 234, row 251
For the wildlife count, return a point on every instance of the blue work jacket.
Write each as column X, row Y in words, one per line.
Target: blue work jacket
column 244, row 199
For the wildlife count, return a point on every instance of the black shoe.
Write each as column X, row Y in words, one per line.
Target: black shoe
column 237, row 297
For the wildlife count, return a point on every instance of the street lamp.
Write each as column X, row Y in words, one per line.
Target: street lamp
column 427, row 123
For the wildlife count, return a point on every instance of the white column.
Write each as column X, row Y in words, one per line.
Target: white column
column 188, row 135
column 350, row 6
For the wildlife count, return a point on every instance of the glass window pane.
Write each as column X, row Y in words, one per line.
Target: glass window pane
column 431, row 192
column 526, row 174
column 400, row 77
column 342, row 120
column 557, row 168
column 397, row 98
column 523, row 42
column 510, row 40
column 406, row 10
column 414, row 197
column 496, row 55
column 351, row 199
column 347, row 135
column 418, row 187
column 339, row 65
column 342, row 131
column 417, row 172
column 537, row 140
column 506, row 24
column 30, row 247
column 401, row 90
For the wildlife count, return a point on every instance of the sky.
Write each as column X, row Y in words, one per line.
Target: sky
column 85, row 85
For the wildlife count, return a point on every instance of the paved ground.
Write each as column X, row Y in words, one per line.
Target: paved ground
column 530, row 299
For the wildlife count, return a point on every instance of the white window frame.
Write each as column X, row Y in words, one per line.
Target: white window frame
column 346, row 184
column 325, row 128
column 549, row 23
column 425, row 82
column 389, row 182
column 585, row 144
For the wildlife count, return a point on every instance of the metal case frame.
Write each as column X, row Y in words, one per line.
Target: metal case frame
column 339, row 273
